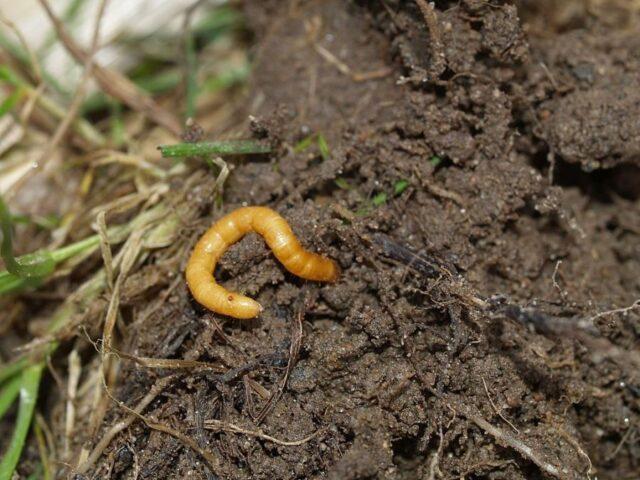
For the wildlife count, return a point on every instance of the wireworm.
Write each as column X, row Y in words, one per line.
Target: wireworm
column 228, row 230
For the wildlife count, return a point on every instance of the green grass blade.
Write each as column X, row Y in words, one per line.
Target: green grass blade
column 38, row 474
column 7, row 75
column 231, row 147
column 323, row 146
column 10, row 282
column 10, row 369
column 37, row 264
column 303, row 144
column 217, row 23
column 7, row 105
column 379, row 199
column 30, row 381
column 400, row 186
column 9, row 393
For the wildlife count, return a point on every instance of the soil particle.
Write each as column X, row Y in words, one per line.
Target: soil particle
column 598, row 128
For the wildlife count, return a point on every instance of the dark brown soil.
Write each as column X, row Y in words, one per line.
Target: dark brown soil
column 463, row 338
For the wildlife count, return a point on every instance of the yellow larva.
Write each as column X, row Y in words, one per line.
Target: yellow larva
column 227, row 231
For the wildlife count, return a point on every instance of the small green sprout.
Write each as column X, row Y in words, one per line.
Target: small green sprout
column 400, row 186
column 379, row 199
column 342, row 183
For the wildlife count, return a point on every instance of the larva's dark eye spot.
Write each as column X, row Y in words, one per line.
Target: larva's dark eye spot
column 230, row 298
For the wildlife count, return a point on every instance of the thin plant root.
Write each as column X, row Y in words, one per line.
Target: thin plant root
column 230, row 427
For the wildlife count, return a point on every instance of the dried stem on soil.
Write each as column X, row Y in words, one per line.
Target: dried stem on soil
column 168, row 363
column 118, row 427
column 508, row 440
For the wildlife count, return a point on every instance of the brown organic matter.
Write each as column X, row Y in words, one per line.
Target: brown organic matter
column 479, row 327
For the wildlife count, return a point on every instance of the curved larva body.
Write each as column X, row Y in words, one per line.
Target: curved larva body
column 231, row 228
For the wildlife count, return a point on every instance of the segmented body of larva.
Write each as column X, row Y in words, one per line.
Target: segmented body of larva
column 231, row 228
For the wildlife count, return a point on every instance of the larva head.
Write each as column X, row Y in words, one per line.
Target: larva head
column 240, row 307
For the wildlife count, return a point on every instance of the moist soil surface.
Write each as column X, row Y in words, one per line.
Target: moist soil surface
column 474, row 168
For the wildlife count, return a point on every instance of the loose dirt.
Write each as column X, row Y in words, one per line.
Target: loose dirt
column 480, row 193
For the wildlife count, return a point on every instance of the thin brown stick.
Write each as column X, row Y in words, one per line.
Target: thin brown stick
column 122, row 424
column 520, row 447
column 76, row 102
column 212, row 461
column 115, row 84
column 168, row 363
column 33, row 59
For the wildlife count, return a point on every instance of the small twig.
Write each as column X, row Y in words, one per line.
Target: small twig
column 229, row 427
column 512, row 442
column 168, row 363
column 549, row 75
column 118, row 427
column 155, row 425
column 115, row 84
column 498, row 412
column 136, row 462
column 212, row 461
